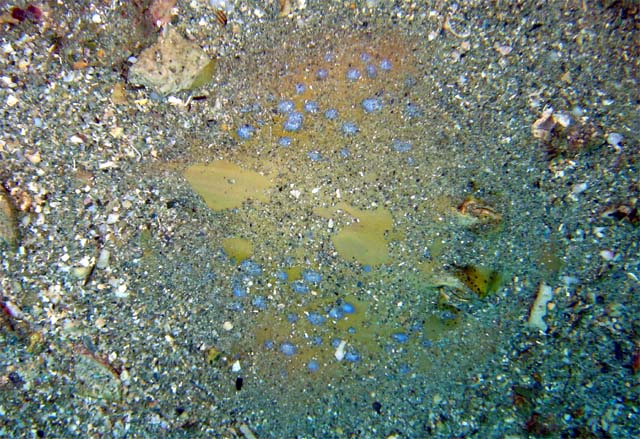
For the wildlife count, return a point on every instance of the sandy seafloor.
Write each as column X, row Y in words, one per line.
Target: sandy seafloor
column 123, row 315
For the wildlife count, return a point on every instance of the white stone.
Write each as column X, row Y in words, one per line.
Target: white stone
column 614, row 139
column 11, row 101
column 103, row 259
column 607, row 255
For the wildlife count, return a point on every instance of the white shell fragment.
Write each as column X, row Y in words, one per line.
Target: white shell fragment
column 339, row 354
column 539, row 308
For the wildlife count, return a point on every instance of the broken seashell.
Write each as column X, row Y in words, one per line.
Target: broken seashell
column 482, row 212
column 543, row 127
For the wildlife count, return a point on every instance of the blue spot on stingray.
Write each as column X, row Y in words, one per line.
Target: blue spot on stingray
column 312, row 277
column 300, row 88
column 239, row 291
column 299, row 287
column 348, row 308
column 331, row 114
column 251, row 268
column 369, row 105
column 282, row 276
column 259, row 302
column 288, row 349
column 315, row 318
column 400, row 337
column 311, row 107
column 336, row 313
column 322, row 74
column 245, row 132
column 286, row 106
column 314, row 156
column 352, row 356
column 284, row 141
column 313, row 366
column 371, row 71
column 412, row 110
column 292, row 318
column 385, row 64
column 345, row 153
column 293, row 122
column 401, row 145
column 353, row 74
column 349, row 128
